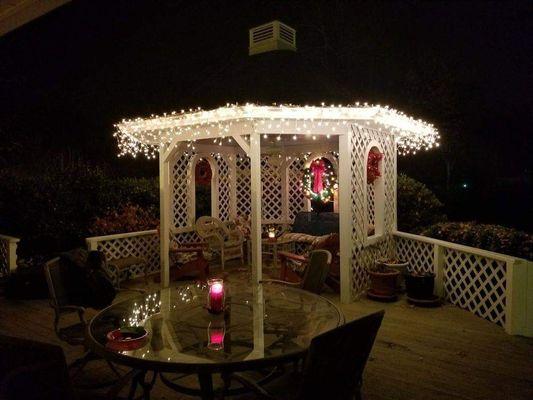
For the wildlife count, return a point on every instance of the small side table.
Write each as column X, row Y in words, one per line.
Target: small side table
column 274, row 245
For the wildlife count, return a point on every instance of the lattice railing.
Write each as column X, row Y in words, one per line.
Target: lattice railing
column 296, row 197
column 271, row 189
column 244, row 207
column 143, row 244
column 371, row 204
column 8, row 254
column 224, row 188
column 490, row 285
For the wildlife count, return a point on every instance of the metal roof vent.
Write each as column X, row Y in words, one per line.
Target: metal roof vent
column 270, row 37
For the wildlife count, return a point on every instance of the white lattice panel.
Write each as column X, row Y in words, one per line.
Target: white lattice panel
column 243, row 187
column 271, row 196
column 476, row 283
column 4, row 258
column 371, row 204
column 363, row 258
column 180, row 182
column 420, row 255
column 224, row 188
column 143, row 246
column 296, row 197
column 184, row 237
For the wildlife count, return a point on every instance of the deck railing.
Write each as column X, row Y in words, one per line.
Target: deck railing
column 491, row 285
column 8, row 254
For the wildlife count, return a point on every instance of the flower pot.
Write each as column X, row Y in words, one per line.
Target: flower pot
column 399, row 266
column 383, row 283
column 420, row 286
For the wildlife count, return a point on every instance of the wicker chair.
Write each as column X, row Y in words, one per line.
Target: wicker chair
column 333, row 367
column 222, row 238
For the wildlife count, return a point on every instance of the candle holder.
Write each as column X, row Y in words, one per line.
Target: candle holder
column 215, row 296
column 271, row 234
column 215, row 335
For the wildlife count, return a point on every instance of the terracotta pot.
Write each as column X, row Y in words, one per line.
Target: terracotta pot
column 420, row 286
column 401, row 267
column 383, row 283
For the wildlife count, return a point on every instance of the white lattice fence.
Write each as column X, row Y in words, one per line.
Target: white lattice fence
column 476, row 283
column 180, row 182
column 243, row 186
column 224, row 188
column 420, row 255
column 493, row 286
column 363, row 254
column 8, row 254
column 143, row 244
column 370, row 203
column 271, row 195
column 296, row 198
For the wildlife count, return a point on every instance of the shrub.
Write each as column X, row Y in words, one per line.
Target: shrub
column 495, row 238
column 53, row 210
column 130, row 218
column 418, row 207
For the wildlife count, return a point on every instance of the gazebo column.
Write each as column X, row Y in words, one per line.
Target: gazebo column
column 345, row 217
column 164, row 219
column 255, row 177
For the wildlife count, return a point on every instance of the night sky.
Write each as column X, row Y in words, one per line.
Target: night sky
column 465, row 66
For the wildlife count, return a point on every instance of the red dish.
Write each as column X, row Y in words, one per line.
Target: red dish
column 116, row 340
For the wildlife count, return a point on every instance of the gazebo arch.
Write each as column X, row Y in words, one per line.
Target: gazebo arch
column 259, row 152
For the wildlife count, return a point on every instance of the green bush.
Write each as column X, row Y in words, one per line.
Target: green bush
column 53, row 210
column 418, row 207
column 495, row 238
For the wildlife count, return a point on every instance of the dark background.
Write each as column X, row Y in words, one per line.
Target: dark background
column 67, row 77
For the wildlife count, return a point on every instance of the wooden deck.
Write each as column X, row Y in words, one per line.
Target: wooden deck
column 443, row 353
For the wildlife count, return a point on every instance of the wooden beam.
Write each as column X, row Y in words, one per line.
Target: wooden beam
column 172, row 148
column 164, row 211
column 345, row 217
column 241, row 142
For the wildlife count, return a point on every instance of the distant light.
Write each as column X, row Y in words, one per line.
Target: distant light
column 465, row 185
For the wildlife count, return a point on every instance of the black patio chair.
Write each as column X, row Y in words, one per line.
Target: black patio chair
column 333, row 368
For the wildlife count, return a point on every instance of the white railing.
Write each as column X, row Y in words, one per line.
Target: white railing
column 8, row 254
column 142, row 244
column 491, row 285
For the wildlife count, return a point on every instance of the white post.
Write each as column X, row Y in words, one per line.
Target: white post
column 164, row 219
column 255, row 177
column 438, row 265
column 345, row 217
column 516, row 297
column 92, row 245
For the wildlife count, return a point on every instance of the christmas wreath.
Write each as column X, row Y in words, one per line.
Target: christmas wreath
column 319, row 181
column 372, row 167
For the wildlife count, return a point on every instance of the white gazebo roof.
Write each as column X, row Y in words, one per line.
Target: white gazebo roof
column 147, row 135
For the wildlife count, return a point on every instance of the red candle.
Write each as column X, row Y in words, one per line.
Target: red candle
column 216, row 337
column 215, row 296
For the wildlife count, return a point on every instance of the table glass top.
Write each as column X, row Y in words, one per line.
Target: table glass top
column 260, row 322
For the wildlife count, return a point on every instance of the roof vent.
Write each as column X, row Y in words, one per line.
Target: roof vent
column 270, row 37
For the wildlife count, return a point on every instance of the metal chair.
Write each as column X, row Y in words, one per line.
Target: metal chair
column 333, row 367
column 73, row 334
column 222, row 238
column 316, row 269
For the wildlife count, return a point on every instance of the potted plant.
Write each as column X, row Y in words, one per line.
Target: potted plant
column 397, row 265
column 383, row 281
column 420, row 286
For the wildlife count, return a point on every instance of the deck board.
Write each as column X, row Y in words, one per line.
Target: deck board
column 442, row 353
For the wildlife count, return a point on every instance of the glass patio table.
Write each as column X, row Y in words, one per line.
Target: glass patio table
column 263, row 326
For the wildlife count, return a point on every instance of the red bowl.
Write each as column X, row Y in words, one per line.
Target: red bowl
column 116, row 340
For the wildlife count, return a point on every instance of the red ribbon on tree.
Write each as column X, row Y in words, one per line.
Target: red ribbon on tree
column 372, row 168
column 317, row 168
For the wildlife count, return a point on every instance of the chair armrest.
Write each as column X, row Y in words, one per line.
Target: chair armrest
column 279, row 281
column 292, row 256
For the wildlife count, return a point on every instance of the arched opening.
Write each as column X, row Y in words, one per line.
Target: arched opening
column 203, row 188
column 374, row 193
column 325, row 165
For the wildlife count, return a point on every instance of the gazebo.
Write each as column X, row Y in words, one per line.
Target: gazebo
column 257, row 155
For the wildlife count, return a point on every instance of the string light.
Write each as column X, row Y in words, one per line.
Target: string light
column 147, row 136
